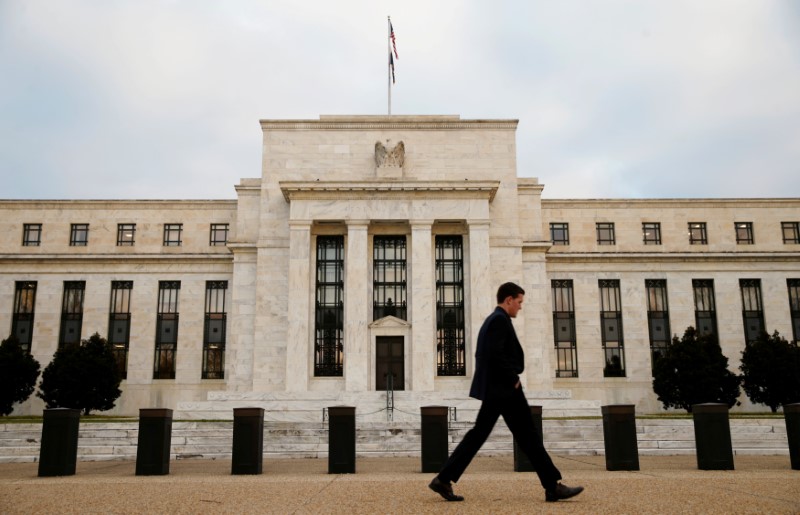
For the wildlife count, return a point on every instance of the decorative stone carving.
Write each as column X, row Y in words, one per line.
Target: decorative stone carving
column 385, row 157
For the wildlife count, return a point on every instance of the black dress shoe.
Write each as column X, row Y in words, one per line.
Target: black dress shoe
column 561, row 492
column 444, row 489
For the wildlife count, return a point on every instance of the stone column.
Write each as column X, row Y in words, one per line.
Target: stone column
column 356, row 308
column 481, row 301
column 300, row 342
column 422, row 347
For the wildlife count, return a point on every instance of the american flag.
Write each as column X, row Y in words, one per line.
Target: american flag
column 394, row 43
column 391, row 65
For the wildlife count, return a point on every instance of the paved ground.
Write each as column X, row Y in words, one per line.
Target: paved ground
column 760, row 484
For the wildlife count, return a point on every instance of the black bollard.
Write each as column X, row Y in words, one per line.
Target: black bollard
column 248, row 441
column 619, row 436
column 521, row 461
column 341, row 440
column 434, row 437
column 155, row 439
column 712, row 435
column 58, row 452
column 791, row 413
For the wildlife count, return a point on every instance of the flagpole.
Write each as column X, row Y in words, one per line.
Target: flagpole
column 389, row 60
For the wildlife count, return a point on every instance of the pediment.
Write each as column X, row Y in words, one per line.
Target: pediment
column 389, row 322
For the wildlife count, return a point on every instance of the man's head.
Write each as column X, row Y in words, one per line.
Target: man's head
column 510, row 297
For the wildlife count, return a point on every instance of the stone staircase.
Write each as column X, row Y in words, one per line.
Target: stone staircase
column 213, row 440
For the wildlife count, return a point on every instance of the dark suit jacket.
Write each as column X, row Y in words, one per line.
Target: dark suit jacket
column 498, row 359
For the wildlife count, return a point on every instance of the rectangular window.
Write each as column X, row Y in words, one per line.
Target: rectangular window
column 31, row 235
column 172, row 235
column 219, row 235
column 651, row 233
column 657, row 317
column 752, row 309
column 791, row 232
column 329, row 308
column 794, row 307
column 611, row 327
column 605, row 233
column 22, row 319
column 79, row 235
column 166, row 330
column 214, row 330
column 119, row 323
column 450, row 334
column 744, row 233
column 126, row 234
column 389, row 277
column 705, row 310
column 697, row 233
column 559, row 233
column 564, row 329
column 71, row 313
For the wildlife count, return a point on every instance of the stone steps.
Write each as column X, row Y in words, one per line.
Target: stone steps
column 213, row 440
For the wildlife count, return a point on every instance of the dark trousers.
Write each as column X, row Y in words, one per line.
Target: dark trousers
column 517, row 414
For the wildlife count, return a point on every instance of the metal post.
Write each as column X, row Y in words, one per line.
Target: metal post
column 155, row 439
column 435, row 432
column 712, row 434
column 619, row 437
column 341, row 440
column 58, row 452
column 791, row 413
column 248, row 441
column 521, row 462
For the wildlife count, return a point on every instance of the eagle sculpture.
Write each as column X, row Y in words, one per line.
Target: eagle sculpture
column 385, row 157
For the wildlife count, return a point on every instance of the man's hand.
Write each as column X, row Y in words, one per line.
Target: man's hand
column 516, row 386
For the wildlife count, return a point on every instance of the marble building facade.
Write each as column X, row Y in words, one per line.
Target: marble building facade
column 371, row 247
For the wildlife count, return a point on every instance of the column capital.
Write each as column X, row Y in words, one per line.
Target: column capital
column 478, row 223
column 357, row 223
column 300, row 224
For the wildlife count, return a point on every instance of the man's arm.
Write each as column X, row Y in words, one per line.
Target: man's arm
column 501, row 357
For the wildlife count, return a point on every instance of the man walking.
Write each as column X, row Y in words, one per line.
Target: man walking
column 498, row 362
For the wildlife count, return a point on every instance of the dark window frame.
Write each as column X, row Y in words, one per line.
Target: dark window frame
column 559, row 233
column 79, row 235
column 611, row 322
column 651, row 233
column 215, row 321
column 657, row 313
column 698, row 233
column 167, row 321
column 119, row 323
column 606, row 233
column 71, row 313
column 744, row 233
column 329, row 307
column 126, row 235
column 705, row 307
column 790, row 232
column 564, row 337
column 173, row 235
column 793, row 287
column 214, row 237
column 24, row 310
column 752, row 310
column 31, row 235
column 389, row 277
column 450, row 324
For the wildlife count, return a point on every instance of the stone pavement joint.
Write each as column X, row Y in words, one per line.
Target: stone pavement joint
column 665, row 484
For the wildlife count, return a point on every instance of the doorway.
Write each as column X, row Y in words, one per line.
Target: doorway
column 389, row 362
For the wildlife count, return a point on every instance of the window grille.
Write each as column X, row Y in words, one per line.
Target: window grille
column 172, row 235
column 651, row 233
column 71, row 313
column 450, row 334
column 705, row 311
column 697, row 233
column 744, row 233
column 79, row 235
column 389, row 277
column 752, row 309
column 657, row 318
column 22, row 319
column 166, row 330
column 214, row 329
column 219, row 235
column 611, row 328
column 559, row 233
column 119, row 323
column 31, row 235
column 329, row 309
column 564, row 329
column 126, row 235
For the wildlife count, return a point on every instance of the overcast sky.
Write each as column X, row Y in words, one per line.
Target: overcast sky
column 106, row 99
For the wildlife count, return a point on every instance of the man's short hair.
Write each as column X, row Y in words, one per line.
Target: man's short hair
column 508, row 290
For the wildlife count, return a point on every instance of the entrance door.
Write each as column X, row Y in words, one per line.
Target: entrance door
column 389, row 362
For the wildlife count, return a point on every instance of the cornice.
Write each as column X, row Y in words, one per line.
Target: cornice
column 349, row 190
column 6, row 259
column 669, row 203
column 118, row 204
column 683, row 257
column 407, row 123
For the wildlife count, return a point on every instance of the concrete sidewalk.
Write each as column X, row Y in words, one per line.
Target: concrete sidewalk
column 760, row 484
